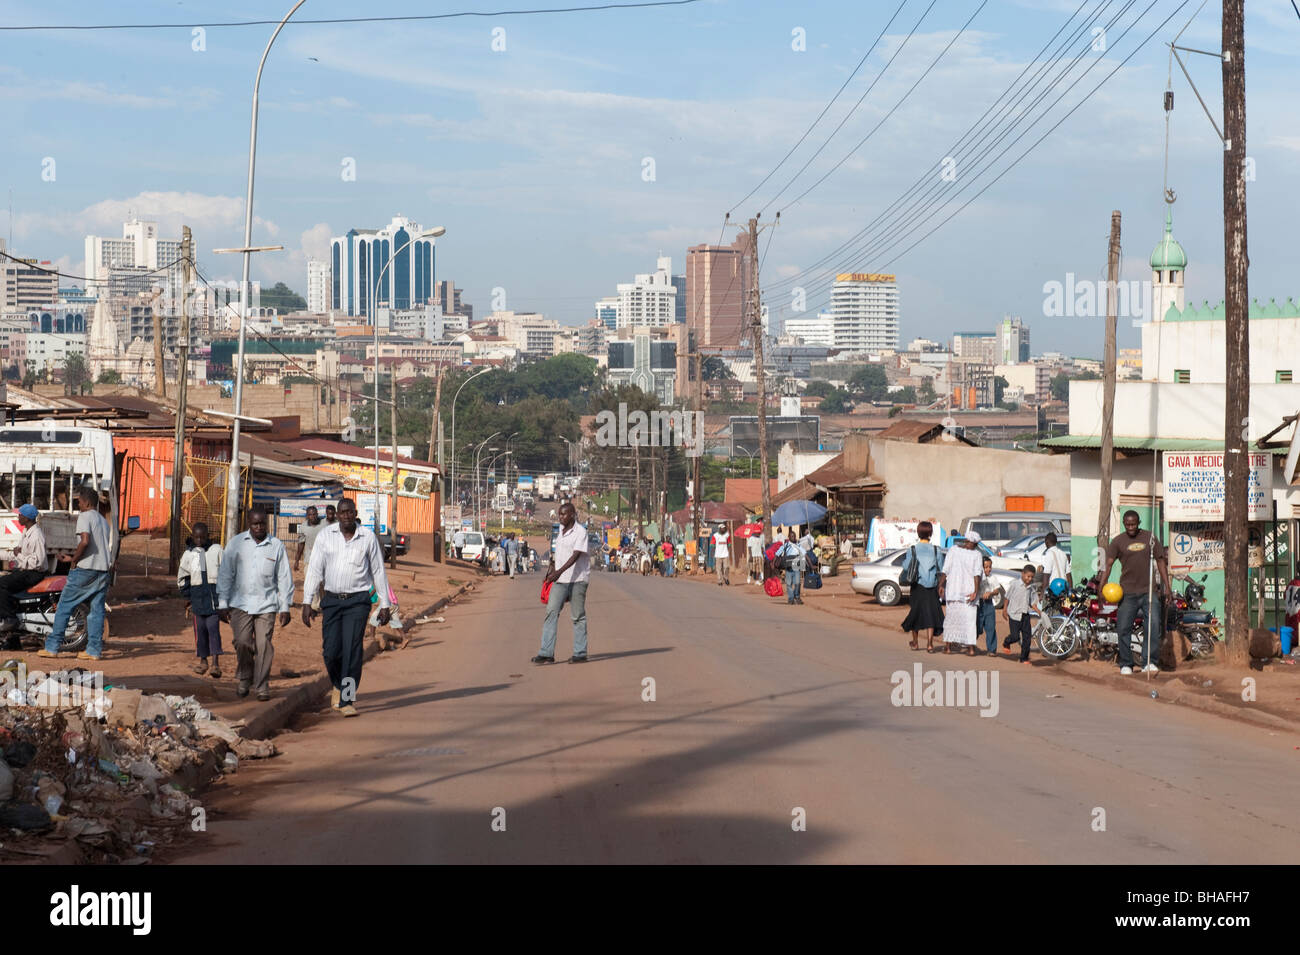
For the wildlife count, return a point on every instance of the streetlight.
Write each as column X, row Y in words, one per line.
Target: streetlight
column 453, row 426
column 751, row 459
column 569, row 449
column 374, row 320
column 487, row 468
column 232, row 476
column 477, row 496
column 508, row 440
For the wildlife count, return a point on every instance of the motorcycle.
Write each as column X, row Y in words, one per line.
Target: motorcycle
column 1081, row 620
column 35, row 608
column 1200, row 627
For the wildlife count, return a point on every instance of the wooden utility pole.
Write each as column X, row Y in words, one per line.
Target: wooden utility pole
column 1108, row 387
column 1236, row 461
column 696, row 497
column 756, row 320
column 392, row 433
column 640, row 518
column 435, row 429
column 175, row 545
column 159, row 370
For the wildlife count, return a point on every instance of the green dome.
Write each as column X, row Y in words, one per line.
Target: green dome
column 1168, row 254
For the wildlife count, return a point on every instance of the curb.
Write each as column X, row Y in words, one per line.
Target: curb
column 1186, row 696
column 282, row 709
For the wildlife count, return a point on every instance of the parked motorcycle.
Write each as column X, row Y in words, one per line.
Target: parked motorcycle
column 35, row 608
column 1199, row 626
column 1081, row 620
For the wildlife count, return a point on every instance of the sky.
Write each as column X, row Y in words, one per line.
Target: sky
column 564, row 152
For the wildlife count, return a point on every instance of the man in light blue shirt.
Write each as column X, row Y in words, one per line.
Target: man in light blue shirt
column 511, row 547
column 254, row 584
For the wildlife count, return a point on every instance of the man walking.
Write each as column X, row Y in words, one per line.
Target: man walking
column 959, row 586
column 307, row 538
column 754, row 548
column 87, row 581
column 568, row 575
column 253, row 584
column 458, row 542
column 197, row 576
column 1135, row 549
column 722, row 554
column 793, row 556
column 512, row 554
column 28, row 567
column 348, row 562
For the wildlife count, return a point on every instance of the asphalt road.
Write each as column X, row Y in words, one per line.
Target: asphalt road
column 760, row 709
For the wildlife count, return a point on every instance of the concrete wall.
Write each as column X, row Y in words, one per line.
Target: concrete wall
column 1199, row 347
column 792, row 465
column 1167, row 410
column 951, row 481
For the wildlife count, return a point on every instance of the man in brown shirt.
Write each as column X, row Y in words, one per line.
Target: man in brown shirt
column 1135, row 549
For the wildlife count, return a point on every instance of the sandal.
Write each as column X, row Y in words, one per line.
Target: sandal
column 201, row 667
column 215, row 673
column 913, row 645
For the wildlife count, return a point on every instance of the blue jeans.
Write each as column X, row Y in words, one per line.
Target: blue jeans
column 793, row 585
column 82, row 585
column 576, row 595
column 1129, row 606
column 668, row 565
column 986, row 622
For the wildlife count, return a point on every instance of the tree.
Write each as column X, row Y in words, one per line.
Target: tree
column 904, row 396
column 837, row 402
column 1061, row 383
column 926, row 395
column 76, row 376
column 109, row 376
column 29, row 374
column 283, row 299
column 870, row 382
column 819, row 389
column 894, row 411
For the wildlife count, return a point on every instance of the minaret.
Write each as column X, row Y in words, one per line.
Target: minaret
column 103, row 344
column 1168, row 262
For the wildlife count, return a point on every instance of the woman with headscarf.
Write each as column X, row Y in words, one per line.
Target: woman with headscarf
column 925, row 615
column 959, row 588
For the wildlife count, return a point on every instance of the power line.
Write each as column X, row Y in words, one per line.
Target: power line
column 826, row 109
column 82, row 278
column 335, row 20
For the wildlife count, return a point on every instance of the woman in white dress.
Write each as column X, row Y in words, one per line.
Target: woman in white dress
column 959, row 587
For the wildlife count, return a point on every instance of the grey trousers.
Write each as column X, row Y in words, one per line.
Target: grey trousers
column 253, row 649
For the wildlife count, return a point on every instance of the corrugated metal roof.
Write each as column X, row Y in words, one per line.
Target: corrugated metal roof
column 1071, row 442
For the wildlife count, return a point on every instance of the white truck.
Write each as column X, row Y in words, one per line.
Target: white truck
column 546, row 487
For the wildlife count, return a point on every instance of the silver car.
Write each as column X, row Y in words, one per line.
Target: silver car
column 879, row 578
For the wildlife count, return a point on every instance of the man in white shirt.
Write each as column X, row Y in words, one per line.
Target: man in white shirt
column 87, row 581
column 27, row 567
column 458, row 542
column 568, row 575
column 1056, row 562
column 721, row 554
column 254, row 584
column 754, row 548
column 348, row 561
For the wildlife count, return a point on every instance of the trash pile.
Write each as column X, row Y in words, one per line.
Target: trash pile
column 109, row 771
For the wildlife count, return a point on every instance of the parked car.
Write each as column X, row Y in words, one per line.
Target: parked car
column 386, row 542
column 999, row 528
column 474, row 545
column 1027, row 550
column 879, row 578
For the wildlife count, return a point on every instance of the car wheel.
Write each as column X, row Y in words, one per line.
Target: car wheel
column 997, row 600
column 888, row 593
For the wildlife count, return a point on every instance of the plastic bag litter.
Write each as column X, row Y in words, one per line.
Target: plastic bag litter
column 188, row 708
column 143, row 769
column 16, row 697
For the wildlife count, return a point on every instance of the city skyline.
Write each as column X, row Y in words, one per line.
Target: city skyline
column 516, row 220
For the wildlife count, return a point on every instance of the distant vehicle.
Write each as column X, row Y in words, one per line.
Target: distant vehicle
column 999, row 528
column 1027, row 550
column 386, row 542
column 879, row 578
column 546, row 487
column 526, row 483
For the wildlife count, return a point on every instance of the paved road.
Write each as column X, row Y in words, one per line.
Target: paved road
column 760, row 708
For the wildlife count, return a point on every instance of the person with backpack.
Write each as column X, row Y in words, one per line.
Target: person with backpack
column 920, row 572
column 791, row 558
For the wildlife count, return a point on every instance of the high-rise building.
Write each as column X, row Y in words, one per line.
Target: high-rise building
column 447, row 297
column 140, row 249
column 865, row 310
column 318, row 285
column 976, row 346
column 24, row 284
column 607, row 312
column 358, row 258
column 649, row 300
column 1013, row 341
column 679, row 283
column 717, row 281
column 812, row 331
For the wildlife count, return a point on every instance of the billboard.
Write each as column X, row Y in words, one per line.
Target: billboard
column 803, row 430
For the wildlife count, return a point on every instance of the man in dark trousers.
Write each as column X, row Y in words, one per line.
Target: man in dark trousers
column 1135, row 549
column 27, row 567
column 348, row 561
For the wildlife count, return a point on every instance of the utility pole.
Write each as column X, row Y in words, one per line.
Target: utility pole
column 1108, row 387
column 756, row 319
column 695, row 466
column 1236, row 460
column 182, row 374
column 159, row 370
column 392, row 433
column 640, row 518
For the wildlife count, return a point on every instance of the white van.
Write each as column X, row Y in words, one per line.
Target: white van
column 1002, row 527
column 473, row 549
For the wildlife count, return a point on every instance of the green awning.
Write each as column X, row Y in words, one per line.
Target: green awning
column 1092, row 442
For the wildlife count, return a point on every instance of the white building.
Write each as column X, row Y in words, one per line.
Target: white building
column 359, row 258
column 51, row 351
column 318, row 286
column 1013, row 341
column 865, row 308
column 140, row 247
column 423, row 323
column 607, row 312
column 650, row 300
column 812, row 331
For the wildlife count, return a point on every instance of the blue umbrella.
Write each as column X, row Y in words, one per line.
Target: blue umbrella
column 798, row 512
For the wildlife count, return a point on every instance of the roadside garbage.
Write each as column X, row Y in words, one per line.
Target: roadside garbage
column 1054, row 696
column 1154, row 695
column 1208, row 683
column 112, row 775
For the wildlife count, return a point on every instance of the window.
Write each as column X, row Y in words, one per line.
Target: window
column 1182, row 376
column 1283, row 376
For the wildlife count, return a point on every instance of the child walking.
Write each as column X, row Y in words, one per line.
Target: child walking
column 1022, row 601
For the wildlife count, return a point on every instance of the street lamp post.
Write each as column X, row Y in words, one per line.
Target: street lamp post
column 453, row 427
column 491, row 463
column 374, row 321
column 232, row 477
column 751, row 459
column 478, row 497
